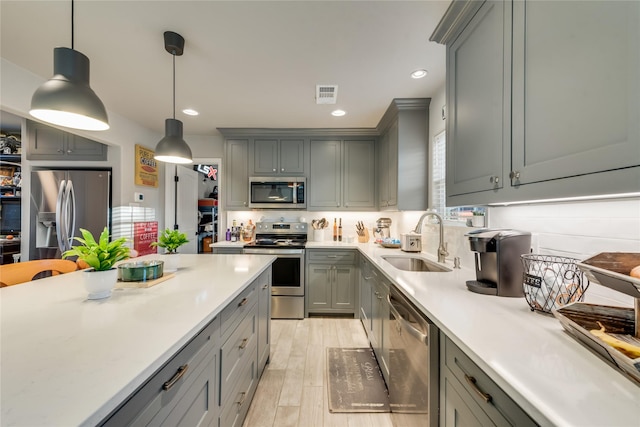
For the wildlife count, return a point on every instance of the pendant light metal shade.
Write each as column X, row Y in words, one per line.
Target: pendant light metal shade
column 67, row 99
column 172, row 148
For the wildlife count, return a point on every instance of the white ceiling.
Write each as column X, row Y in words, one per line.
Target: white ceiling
column 245, row 64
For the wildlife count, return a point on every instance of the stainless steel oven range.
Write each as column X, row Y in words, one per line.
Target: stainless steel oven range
column 285, row 240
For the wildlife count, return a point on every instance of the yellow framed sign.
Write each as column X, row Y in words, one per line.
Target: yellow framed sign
column 146, row 167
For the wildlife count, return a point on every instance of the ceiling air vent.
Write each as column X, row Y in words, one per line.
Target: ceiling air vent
column 326, row 94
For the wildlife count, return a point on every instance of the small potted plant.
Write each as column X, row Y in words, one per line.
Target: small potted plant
column 171, row 240
column 478, row 219
column 100, row 256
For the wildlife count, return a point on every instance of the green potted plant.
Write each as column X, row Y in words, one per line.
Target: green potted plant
column 171, row 240
column 100, row 256
column 478, row 219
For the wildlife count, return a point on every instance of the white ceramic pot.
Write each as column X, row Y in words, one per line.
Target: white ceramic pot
column 99, row 284
column 171, row 262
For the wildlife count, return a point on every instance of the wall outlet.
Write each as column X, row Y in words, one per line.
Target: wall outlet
column 138, row 197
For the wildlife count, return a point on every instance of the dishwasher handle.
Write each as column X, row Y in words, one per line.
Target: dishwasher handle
column 419, row 335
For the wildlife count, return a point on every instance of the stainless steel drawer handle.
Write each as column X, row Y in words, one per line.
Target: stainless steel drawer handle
column 181, row 371
column 243, row 302
column 243, row 396
column 472, row 382
column 244, row 343
column 265, row 286
column 332, row 256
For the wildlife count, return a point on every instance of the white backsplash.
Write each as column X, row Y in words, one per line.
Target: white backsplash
column 572, row 229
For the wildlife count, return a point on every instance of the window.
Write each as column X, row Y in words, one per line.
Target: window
column 438, row 185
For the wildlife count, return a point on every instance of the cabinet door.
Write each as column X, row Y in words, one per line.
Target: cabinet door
column 265, row 156
column 237, row 174
column 79, row 148
column 291, row 157
column 576, row 81
column 392, row 166
column 45, row 143
column 264, row 321
column 456, row 410
column 318, row 286
column 478, row 93
column 383, row 170
column 343, row 287
column 325, row 177
column 365, row 296
column 359, row 174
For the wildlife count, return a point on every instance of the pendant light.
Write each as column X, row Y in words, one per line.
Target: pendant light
column 173, row 148
column 66, row 99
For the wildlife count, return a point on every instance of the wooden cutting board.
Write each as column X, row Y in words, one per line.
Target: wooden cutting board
column 144, row 284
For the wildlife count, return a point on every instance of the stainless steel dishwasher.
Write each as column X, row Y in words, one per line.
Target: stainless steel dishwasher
column 413, row 364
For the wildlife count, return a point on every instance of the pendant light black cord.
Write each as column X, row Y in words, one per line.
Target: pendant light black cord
column 72, row 23
column 174, row 83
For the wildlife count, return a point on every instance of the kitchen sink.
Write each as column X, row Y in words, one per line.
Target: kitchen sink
column 414, row 263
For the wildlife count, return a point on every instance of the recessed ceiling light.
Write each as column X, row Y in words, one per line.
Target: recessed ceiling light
column 418, row 74
column 338, row 113
column 190, row 112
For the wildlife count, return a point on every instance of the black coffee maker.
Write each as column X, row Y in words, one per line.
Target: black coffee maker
column 498, row 265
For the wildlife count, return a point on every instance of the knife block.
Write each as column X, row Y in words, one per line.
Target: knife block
column 365, row 238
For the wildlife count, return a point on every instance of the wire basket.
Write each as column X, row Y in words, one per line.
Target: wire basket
column 551, row 282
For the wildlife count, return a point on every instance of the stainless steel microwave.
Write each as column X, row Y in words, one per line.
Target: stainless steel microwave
column 270, row 192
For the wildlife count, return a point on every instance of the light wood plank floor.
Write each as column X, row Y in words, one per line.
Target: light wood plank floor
column 293, row 389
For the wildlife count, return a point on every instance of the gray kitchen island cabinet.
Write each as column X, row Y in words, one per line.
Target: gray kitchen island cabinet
column 341, row 174
column 237, row 174
column 331, row 282
column 545, row 123
column 48, row 143
column 403, row 155
column 278, row 156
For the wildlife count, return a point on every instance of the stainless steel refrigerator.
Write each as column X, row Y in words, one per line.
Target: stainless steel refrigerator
column 62, row 202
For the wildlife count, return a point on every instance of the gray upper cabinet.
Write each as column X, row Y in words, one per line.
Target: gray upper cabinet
column 278, row 157
column 478, row 122
column 237, row 174
column 341, row 175
column 403, row 155
column 541, row 99
column 47, row 143
column 576, row 82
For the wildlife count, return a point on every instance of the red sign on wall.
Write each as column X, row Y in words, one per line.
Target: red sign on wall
column 145, row 233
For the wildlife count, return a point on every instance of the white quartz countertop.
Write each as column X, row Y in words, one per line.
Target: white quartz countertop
column 555, row 379
column 69, row 361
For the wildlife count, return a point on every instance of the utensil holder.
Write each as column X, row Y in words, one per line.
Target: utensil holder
column 365, row 238
column 318, row 235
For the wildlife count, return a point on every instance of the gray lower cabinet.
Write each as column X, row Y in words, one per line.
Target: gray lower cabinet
column 403, row 156
column 468, row 397
column 366, row 294
column 184, row 392
column 212, row 379
column 341, row 174
column 226, row 250
column 540, row 130
column 380, row 323
column 331, row 281
column 237, row 174
column 264, row 320
column 47, row 143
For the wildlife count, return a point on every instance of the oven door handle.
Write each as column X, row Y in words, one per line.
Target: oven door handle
column 282, row 253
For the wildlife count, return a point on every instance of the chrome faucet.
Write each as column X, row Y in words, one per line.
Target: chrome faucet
column 442, row 246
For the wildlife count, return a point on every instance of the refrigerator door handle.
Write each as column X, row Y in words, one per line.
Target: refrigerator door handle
column 60, row 216
column 70, row 200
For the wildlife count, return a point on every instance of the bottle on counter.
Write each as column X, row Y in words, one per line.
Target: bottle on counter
column 340, row 231
column 227, row 236
column 335, row 230
column 247, row 234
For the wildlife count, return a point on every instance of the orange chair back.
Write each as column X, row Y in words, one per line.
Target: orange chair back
column 20, row 272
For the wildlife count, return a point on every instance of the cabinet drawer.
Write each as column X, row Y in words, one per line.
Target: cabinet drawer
column 332, row 256
column 235, row 410
column 152, row 400
column 486, row 393
column 237, row 352
column 233, row 313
